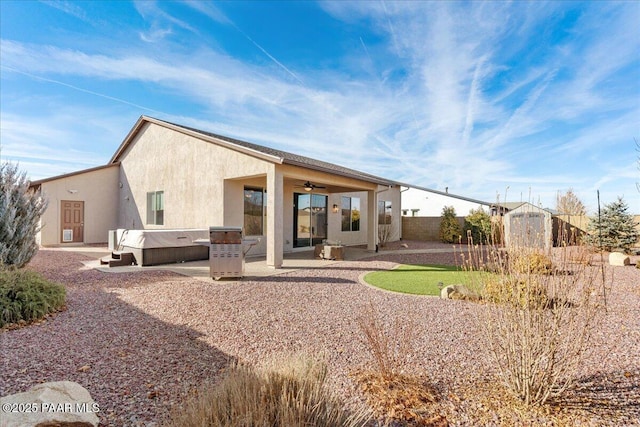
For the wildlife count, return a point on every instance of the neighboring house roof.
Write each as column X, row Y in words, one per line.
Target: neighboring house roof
column 509, row 206
column 68, row 175
column 255, row 150
column 446, row 193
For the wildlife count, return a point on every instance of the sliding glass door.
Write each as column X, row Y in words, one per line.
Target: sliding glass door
column 309, row 219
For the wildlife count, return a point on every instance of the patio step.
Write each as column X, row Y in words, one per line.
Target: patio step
column 119, row 259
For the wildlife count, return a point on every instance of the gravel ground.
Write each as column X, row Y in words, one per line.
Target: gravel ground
column 149, row 339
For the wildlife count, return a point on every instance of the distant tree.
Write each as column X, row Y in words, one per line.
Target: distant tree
column 568, row 203
column 478, row 224
column 615, row 230
column 20, row 212
column 450, row 230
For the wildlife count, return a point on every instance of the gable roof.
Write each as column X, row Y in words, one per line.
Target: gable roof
column 251, row 149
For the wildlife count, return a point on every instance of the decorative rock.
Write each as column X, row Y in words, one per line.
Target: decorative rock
column 618, row 258
column 458, row 292
column 54, row 404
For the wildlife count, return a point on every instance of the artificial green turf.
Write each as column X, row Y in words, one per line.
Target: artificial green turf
column 419, row 279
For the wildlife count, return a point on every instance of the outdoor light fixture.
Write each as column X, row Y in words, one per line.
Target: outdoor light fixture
column 335, row 208
column 308, row 188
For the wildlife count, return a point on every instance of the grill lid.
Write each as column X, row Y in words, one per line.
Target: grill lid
column 225, row 235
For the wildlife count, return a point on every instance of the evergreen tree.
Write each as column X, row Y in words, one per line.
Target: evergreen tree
column 450, row 230
column 614, row 230
column 20, row 212
column 478, row 223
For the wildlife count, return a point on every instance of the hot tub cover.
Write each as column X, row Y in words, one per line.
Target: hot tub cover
column 146, row 239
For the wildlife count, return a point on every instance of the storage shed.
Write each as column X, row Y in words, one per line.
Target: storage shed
column 528, row 226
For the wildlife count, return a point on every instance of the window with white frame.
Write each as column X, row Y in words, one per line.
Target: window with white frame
column 350, row 214
column 155, row 208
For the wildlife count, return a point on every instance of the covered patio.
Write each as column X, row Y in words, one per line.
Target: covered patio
column 292, row 208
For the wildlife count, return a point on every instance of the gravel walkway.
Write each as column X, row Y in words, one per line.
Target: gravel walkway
column 150, row 338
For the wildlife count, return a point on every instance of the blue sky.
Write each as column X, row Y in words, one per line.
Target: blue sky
column 484, row 98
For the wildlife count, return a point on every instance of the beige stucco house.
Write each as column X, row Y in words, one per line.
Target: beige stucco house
column 168, row 176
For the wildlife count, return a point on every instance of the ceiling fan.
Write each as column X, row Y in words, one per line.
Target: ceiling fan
column 308, row 186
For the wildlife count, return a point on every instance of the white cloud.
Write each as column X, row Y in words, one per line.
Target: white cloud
column 69, row 8
column 161, row 22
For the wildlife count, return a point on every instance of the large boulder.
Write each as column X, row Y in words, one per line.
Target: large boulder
column 459, row 292
column 54, row 404
column 618, row 258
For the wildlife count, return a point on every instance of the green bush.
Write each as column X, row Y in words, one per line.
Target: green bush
column 450, row 230
column 478, row 224
column 26, row 296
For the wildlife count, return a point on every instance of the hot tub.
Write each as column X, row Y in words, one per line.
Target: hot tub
column 153, row 247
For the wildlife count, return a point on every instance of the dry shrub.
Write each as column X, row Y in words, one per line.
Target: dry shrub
column 393, row 394
column 531, row 261
column 389, row 345
column 287, row 393
column 519, row 292
column 408, row 399
column 578, row 255
column 385, row 233
column 538, row 326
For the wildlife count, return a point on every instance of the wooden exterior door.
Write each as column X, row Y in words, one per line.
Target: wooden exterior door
column 72, row 222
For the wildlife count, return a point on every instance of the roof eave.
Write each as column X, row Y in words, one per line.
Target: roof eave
column 70, row 174
column 443, row 193
column 363, row 177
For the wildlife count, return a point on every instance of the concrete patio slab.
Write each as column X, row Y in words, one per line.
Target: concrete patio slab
column 255, row 267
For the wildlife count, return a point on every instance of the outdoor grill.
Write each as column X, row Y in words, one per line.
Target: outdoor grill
column 226, row 253
column 226, row 258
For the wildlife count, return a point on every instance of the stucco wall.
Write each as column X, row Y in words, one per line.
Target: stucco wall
column 99, row 191
column 360, row 237
column 191, row 173
column 203, row 185
column 334, row 220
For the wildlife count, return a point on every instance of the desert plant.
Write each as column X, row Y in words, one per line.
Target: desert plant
column 538, row 326
column 530, row 260
column 450, row 230
column 289, row 392
column 385, row 233
column 25, row 296
column 389, row 345
column 614, row 229
column 20, row 212
column 395, row 396
column 477, row 226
